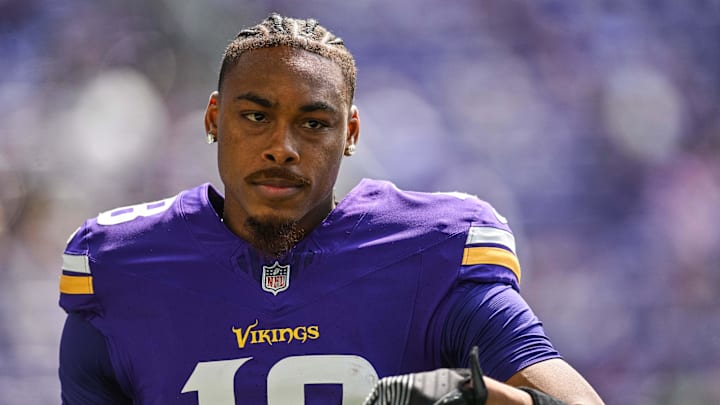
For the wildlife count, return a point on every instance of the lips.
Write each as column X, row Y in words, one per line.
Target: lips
column 277, row 189
column 277, row 182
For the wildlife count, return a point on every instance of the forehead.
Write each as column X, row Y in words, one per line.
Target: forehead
column 284, row 68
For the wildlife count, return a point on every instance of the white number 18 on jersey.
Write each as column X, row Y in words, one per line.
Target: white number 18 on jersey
column 286, row 380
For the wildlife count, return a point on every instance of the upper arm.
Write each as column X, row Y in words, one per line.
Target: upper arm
column 494, row 317
column 86, row 373
column 557, row 378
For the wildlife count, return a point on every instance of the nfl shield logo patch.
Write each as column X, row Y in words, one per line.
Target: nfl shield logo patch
column 276, row 278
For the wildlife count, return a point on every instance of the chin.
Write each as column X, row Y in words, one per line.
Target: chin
column 274, row 216
column 272, row 219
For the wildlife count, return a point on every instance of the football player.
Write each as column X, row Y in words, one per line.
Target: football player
column 271, row 291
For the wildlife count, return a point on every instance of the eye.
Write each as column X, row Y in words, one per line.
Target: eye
column 314, row 124
column 255, row 117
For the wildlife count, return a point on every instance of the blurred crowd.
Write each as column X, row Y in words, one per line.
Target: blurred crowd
column 593, row 125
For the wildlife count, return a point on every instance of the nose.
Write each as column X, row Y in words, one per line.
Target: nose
column 281, row 147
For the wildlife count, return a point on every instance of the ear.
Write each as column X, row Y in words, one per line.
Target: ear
column 353, row 131
column 211, row 113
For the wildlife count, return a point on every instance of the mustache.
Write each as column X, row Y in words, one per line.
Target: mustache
column 277, row 173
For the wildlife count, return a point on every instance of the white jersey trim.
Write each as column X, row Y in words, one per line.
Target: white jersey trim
column 488, row 234
column 76, row 263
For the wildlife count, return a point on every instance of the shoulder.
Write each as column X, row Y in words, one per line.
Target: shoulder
column 138, row 223
column 115, row 237
column 487, row 243
column 461, row 229
column 114, row 228
column 451, row 211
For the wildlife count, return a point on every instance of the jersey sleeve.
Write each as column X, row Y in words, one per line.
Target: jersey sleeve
column 489, row 253
column 85, row 371
column 494, row 317
column 77, row 292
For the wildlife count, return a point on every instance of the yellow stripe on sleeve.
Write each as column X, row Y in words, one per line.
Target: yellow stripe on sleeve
column 76, row 284
column 492, row 255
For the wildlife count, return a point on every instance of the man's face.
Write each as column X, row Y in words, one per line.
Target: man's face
column 283, row 121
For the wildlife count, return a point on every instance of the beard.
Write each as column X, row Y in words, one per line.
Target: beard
column 274, row 236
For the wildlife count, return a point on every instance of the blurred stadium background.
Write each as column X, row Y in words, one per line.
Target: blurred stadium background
column 594, row 125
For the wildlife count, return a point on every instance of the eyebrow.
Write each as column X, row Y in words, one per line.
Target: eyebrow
column 318, row 105
column 261, row 101
column 254, row 98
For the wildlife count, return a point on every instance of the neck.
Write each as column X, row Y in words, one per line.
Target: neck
column 275, row 234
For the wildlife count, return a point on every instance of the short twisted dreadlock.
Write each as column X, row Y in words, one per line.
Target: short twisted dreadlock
column 307, row 34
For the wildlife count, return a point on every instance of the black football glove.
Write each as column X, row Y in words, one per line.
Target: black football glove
column 438, row 387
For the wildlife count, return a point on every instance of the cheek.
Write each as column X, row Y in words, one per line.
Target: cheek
column 230, row 155
column 331, row 154
column 223, row 152
column 327, row 164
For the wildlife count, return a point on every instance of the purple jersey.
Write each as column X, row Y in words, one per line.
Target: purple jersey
column 193, row 314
